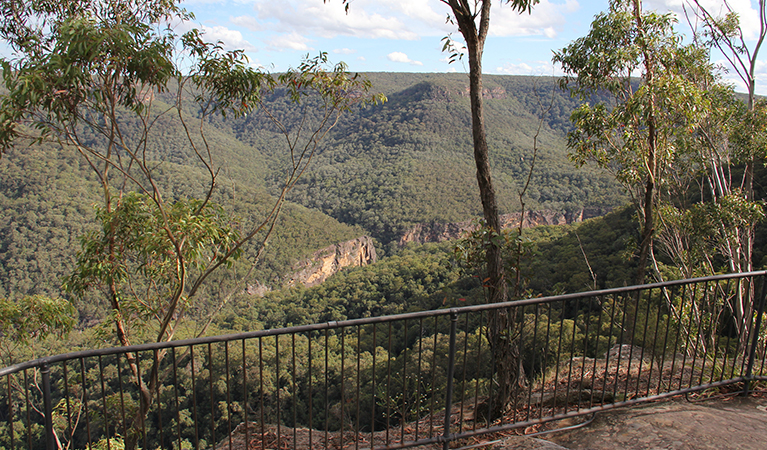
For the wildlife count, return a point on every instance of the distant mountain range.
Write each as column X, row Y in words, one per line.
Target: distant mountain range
column 380, row 172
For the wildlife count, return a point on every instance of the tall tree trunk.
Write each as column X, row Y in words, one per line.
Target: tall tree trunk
column 509, row 374
column 648, row 226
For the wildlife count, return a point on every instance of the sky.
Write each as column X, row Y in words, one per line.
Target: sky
column 406, row 35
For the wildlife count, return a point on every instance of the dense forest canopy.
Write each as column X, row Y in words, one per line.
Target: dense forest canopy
column 142, row 187
column 381, row 170
column 384, row 168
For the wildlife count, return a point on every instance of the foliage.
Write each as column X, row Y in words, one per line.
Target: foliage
column 585, row 256
column 383, row 168
column 469, row 251
column 29, row 319
column 91, row 75
column 135, row 230
column 673, row 138
column 634, row 137
column 389, row 168
column 94, row 78
column 417, row 278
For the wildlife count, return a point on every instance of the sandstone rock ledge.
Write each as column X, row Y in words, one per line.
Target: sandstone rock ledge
column 328, row 261
column 438, row 232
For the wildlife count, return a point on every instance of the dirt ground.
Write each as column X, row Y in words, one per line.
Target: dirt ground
column 722, row 423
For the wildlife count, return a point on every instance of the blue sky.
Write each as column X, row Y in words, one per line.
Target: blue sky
column 405, row 35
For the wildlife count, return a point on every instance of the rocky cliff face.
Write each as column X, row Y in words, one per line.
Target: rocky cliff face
column 326, row 262
column 438, row 232
column 494, row 93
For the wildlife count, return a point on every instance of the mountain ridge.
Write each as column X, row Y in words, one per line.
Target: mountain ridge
column 380, row 172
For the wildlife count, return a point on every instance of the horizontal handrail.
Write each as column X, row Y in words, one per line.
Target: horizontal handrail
column 397, row 381
column 39, row 362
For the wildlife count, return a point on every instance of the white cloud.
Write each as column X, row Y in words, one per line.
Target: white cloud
column 747, row 11
column 421, row 10
column 232, row 39
column 537, row 68
column 257, row 65
column 344, row 51
column 402, row 58
column 329, row 20
column 249, row 22
column 748, row 14
column 761, row 77
column 760, row 73
column 545, row 20
column 395, row 19
column 292, row 41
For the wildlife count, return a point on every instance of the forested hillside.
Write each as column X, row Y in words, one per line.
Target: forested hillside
column 558, row 260
column 410, row 160
column 380, row 170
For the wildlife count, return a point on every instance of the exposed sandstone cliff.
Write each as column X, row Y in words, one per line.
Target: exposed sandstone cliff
column 326, row 262
column 494, row 93
column 438, row 232
column 432, row 91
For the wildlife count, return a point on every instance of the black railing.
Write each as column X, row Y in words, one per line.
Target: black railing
column 393, row 382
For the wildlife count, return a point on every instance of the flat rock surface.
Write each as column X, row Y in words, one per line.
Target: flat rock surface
column 725, row 423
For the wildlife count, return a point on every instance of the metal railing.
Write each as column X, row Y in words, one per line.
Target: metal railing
column 393, row 382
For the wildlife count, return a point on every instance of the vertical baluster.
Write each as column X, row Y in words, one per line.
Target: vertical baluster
column 294, row 388
column 572, row 354
column 419, row 378
column 67, row 400
column 477, row 373
column 403, row 417
column 465, row 363
column 433, row 378
column 343, row 379
column 311, row 383
column 388, row 382
column 277, row 388
column 373, row 389
column 228, row 394
column 50, row 441
column 357, row 415
column 245, row 405
column 104, row 403
column 10, row 412
column 156, row 376
column 534, row 354
column 261, row 391
column 194, row 399
column 85, row 403
column 212, row 399
column 327, row 382
column 446, row 432
column 175, row 396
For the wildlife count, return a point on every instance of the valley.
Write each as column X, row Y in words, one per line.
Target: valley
column 384, row 171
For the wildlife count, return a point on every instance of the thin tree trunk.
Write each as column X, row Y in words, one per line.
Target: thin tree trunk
column 648, row 226
column 509, row 374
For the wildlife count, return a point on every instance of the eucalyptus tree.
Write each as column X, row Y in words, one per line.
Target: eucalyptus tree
column 677, row 137
column 709, row 226
column 725, row 34
column 637, row 58
column 472, row 17
column 473, row 21
column 106, row 77
column 31, row 318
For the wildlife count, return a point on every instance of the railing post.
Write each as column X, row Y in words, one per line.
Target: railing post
column 450, row 374
column 755, row 333
column 50, row 441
